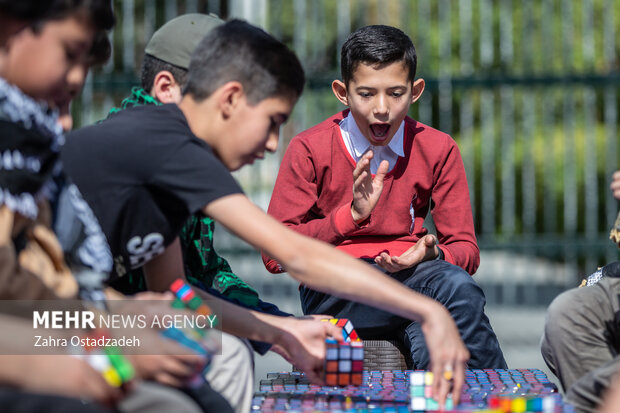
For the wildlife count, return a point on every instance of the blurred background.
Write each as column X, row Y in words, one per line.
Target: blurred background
column 529, row 89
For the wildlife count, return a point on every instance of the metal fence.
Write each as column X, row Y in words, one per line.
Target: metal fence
column 528, row 89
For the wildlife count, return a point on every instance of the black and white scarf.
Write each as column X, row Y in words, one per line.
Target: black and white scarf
column 30, row 142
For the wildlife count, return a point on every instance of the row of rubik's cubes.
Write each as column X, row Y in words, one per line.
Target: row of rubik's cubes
column 523, row 390
column 501, row 391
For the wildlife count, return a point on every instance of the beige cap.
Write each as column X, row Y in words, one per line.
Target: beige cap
column 175, row 41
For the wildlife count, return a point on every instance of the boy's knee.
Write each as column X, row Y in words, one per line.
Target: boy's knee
column 561, row 306
column 461, row 283
column 232, row 373
column 560, row 318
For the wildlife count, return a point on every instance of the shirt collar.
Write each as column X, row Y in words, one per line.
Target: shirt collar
column 361, row 144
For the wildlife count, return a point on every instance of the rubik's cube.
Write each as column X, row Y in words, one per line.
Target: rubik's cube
column 195, row 339
column 113, row 366
column 185, row 297
column 348, row 332
column 521, row 404
column 344, row 362
column 420, row 388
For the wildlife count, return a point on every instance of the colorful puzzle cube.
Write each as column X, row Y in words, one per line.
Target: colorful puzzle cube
column 348, row 332
column 185, row 294
column 344, row 363
column 420, row 389
column 195, row 339
column 113, row 366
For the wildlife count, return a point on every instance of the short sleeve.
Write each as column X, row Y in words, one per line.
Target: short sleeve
column 193, row 175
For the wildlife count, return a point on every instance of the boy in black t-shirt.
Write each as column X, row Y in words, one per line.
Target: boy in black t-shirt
column 145, row 170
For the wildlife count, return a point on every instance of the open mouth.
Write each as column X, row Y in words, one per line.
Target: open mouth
column 380, row 130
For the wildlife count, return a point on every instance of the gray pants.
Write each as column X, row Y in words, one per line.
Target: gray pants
column 150, row 397
column 232, row 373
column 581, row 341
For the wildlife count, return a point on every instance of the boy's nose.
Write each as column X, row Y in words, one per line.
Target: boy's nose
column 381, row 106
column 76, row 78
column 272, row 142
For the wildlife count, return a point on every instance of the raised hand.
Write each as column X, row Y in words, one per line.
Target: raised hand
column 366, row 189
column 423, row 250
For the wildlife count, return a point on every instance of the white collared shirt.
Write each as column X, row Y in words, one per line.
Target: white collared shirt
column 358, row 145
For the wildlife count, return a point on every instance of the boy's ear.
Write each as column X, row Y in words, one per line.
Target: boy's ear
column 228, row 97
column 165, row 88
column 416, row 89
column 340, row 90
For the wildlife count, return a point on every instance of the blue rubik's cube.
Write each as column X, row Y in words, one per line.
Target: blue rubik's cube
column 344, row 362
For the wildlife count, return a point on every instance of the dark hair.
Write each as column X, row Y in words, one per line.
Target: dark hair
column 101, row 49
column 151, row 66
column 377, row 45
column 238, row 51
column 24, row 9
column 98, row 12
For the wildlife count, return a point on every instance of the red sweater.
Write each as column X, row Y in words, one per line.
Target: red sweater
column 313, row 195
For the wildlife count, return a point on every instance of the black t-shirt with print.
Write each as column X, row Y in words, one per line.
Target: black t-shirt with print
column 143, row 172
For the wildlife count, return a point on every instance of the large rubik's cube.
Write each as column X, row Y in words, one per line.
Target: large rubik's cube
column 344, row 362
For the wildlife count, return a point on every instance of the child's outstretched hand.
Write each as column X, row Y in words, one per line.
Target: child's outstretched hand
column 423, row 250
column 303, row 345
column 366, row 189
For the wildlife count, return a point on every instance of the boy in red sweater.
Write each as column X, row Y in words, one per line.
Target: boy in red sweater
column 398, row 169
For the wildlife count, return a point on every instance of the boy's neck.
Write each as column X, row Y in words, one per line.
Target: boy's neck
column 201, row 117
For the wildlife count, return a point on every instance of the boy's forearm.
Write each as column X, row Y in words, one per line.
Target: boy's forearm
column 167, row 267
column 246, row 323
column 331, row 271
column 316, row 264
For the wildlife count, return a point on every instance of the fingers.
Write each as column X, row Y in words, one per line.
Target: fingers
column 430, row 240
column 152, row 296
column 315, row 376
column 459, row 380
column 183, row 366
column 334, row 332
column 615, row 185
column 99, row 390
column 363, row 165
column 6, row 224
column 169, row 380
column 360, row 181
column 438, row 392
column 382, row 170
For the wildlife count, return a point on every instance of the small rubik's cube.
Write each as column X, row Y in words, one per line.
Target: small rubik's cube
column 348, row 332
column 195, row 338
column 420, row 389
column 108, row 360
column 186, row 296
